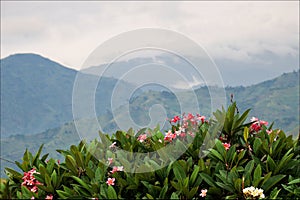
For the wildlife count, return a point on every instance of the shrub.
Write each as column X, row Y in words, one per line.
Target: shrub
column 223, row 157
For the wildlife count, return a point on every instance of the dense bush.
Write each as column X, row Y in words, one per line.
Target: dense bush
column 223, row 157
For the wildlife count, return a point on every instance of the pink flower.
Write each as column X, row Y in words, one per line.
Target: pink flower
column 201, row 118
column 32, row 197
column 226, row 145
column 269, row 131
column 142, row 137
column 254, row 119
column 169, row 136
column 50, row 196
column 173, row 136
column 120, row 169
column 34, row 189
column 263, row 122
column 29, row 180
column 182, row 135
column 110, row 161
column 255, row 127
column 175, row 119
column 113, row 145
column 117, row 169
column 110, row 181
column 58, row 161
column 203, row 193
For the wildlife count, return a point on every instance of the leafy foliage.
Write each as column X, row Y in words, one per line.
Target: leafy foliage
column 240, row 158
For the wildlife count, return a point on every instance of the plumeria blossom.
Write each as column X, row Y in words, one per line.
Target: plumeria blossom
column 50, row 196
column 175, row 119
column 29, row 181
column 252, row 192
column 170, row 136
column 110, row 181
column 113, row 145
column 180, row 132
column 257, row 124
column 203, row 193
column 226, row 145
column 117, row 169
column 201, row 118
column 269, row 131
column 142, row 137
column 120, row 168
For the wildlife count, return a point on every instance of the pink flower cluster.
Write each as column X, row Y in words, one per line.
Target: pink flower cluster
column 29, row 181
column 142, row 137
column 257, row 124
column 175, row 119
column 170, row 136
column 117, row 169
column 189, row 122
column 111, row 181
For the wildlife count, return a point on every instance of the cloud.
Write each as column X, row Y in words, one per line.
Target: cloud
column 69, row 31
column 188, row 85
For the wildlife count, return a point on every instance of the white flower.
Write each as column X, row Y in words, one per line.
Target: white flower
column 113, row 145
column 253, row 192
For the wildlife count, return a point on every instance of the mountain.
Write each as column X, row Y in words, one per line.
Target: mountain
column 36, row 94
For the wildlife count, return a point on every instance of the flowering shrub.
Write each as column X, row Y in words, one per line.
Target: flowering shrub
column 241, row 160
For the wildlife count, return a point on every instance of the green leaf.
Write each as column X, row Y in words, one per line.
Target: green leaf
column 14, row 173
column 79, row 159
column 216, row 154
column 177, row 185
column 272, row 181
column 174, row 196
column 164, row 190
column 295, row 181
column 238, row 184
column 208, row 179
column 246, row 134
column 220, row 147
column 63, row 194
column 192, row 192
column 71, row 164
column 257, row 173
column 83, row 184
column 243, row 117
column 178, row 172
column 283, row 162
column 274, row 193
column 54, row 178
column 225, row 186
column 270, row 164
column 194, row 175
column 256, row 145
column 111, row 193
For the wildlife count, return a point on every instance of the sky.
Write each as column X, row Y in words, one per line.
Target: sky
column 241, row 37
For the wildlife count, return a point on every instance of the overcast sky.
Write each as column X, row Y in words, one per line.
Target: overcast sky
column 238, row 32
